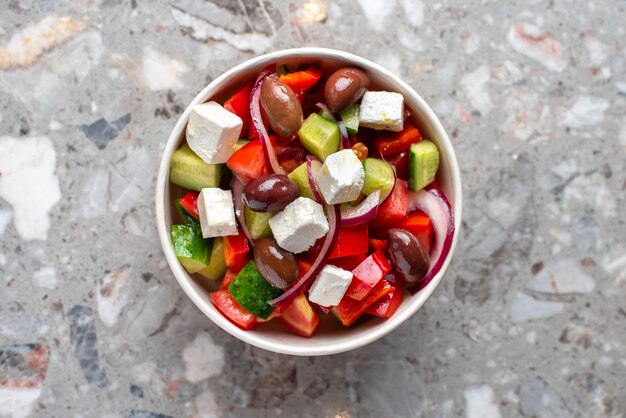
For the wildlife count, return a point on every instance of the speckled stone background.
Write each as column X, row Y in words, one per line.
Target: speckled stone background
column 530, row 320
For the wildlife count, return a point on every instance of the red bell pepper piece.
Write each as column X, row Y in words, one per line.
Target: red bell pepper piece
column 367, row 275
column 349, row 310
column 351, row 240
column 397, row 141
column 239, row 104
column 393, row 210
column 248, row 162
column 227, row 279
column 401, row 162
column 389, row 304
column 189, row 202
column 301, row 81
column 418, row 224
column 299, row 317
column 225, row 303
column 350, row 262
column 236, row 250
column 378, row 244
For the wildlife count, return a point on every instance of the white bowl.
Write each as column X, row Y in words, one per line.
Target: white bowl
column 332, row 337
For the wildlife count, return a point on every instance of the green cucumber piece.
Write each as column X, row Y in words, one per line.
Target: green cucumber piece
column 350, row 117
column 187, row 218
column 326, row 114
column 189, row 171
column 319, row 136
column 252, row 291
column 301, row 178
column 193, row 251
column 240, row 143
column 258, row 223
column 378, row 175
column 423, row 164
column 217, row 265
column 281, row 69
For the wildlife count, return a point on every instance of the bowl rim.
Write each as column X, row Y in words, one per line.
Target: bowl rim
column 184, row 280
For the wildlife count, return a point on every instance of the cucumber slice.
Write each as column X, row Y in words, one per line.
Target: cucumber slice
column 189, row 171
column 423, row 164
column 217, row 266
column 258, row 223
column 240, row 143
column 252, row 291
column 327, row 115
column 378, row 175
column 193, row 251
column 187, row 218
column 350, row 117
column 301, row 178
column 319, row 136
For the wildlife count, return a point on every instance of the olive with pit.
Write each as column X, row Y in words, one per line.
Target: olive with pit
column 344, row 87
column 270, row 193
column 281, row 106
column 277, row 266
column 407, row 255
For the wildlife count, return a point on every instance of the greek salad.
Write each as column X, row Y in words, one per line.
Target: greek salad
column 308, row 194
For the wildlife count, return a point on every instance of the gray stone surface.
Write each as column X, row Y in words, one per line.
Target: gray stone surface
column 533, row 94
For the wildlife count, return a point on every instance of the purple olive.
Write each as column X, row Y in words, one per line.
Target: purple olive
column 281, row 106
column 344, row 87
column 270, row 193
column 407, row 255
column 277, row 266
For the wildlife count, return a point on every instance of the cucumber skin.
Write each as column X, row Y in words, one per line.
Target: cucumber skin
column 217, row 265
column 420, row 176
column 193, row 251
column 371, row 183
column 252, row 291
column 187, row 218
column 316, row 125
column 202, row 175
column 350, row 117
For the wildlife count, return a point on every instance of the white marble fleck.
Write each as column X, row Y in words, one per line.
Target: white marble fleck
column 5, row 218
column 312, row 11
column 203, row 358
column 17, row 402
column 130, row 178
column 562, row 277
column 592, row 189
column 205, row 406
column 598, row 51
column 531, row 41
column 3, row 259
column 526, row 308
column 507, row 73
column 530, row 116
column 474, row 85
column 28, row 175
column 112, row 295
column 391, row 61
column 470, row 42
column 414, row 12
column 162, row 72
column 45, row 277
column 585, row 111
column 149, row 375
column 376, row 12
column 480, row 402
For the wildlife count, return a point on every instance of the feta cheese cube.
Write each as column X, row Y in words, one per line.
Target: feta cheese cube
column 217, row 213
column 382, row 110
column 330, row 286
column 299, row 225
column 341, row 177
column 212, row 132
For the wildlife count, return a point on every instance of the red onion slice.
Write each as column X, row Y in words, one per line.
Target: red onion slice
column 363, row 212
column 434, row 204
column 345, row 141
column 257, row 120
column 312, row 167
column 303, row 284
column 237, row 188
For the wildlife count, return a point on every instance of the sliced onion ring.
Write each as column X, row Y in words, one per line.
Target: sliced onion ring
column 304, row 282
column 312, row 167
column 363, row 212
column 257, row 120
column 237, row 187
column 345, row 141
column 433, row 202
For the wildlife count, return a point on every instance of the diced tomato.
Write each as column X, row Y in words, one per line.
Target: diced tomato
column 398, row 141
column 291, row 158
column 304, row 265
column 401, row 162
column 299, row 317
column 393, row 210
column 418, row 224
column 236, row 250
column 225, row 303
column 190, row 203
column 351, row 240
column 350, row 262
column 227, row 279
column 248, row 163
column 378, row 244
column 389, row 304
column 367, row 275
column 349, row 310
column 239, row 104
column 301, row 81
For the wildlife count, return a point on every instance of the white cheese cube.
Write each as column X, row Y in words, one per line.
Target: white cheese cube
column 382, row 110
column 341, row 177
column 299, row 225
column 212, row 132
column 217, row 213
column 330, row 286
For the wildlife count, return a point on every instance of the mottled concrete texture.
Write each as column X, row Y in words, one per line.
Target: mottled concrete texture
column 530, row 320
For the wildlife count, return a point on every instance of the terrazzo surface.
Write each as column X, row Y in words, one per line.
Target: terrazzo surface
column 530, row 320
